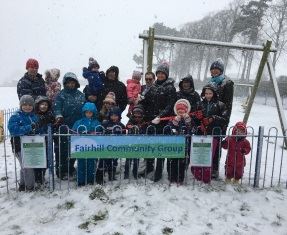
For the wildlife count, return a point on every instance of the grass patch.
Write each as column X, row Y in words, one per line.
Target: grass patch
column 67, row 205
column 100, row 194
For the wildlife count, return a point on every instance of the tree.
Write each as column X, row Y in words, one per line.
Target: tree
column 277, row 30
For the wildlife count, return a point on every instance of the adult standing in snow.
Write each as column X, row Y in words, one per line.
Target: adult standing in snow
column 68, row 109
column 223, row 84
column 112, row 84
column 224, row 88
column 32, row 82
column 163, row 96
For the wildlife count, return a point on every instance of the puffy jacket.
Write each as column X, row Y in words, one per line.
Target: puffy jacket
column 44, row 118
column 95, row 80
column 19, row 124
column 133, row 88
column 33, row 87
column 89, row 123
column 69, row 102
column 160, row 99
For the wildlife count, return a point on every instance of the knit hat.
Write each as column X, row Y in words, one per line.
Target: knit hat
column 93, row 63
column 26, row 99
column 115, row 111
column 182, row 104
column 32, row 63
column 218, row 64
column 239, row 126
column 110, row 97
column 138, row 109
column 136, row 75
column 164, row 68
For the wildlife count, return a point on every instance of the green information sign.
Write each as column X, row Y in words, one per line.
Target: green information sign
column 33, row 151
column 201, row 151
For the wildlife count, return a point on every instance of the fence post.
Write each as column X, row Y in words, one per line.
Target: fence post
column 50, row 159
column 258, row 157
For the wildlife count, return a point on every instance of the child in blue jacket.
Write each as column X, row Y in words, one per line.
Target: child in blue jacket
column 23, row 122
column 87, row 125
column 94, row 77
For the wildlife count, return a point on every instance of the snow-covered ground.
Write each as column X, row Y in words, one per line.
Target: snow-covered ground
column 147, row 208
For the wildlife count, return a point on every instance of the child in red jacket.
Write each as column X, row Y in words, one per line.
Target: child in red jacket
column 238, row 146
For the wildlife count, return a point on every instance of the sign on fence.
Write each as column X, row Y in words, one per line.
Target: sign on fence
column 33, row 151
column 201, row 151
column 127, row 146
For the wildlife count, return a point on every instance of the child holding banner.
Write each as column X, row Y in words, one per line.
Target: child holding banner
column 86, row 168
column 135, row 125
column 238, row 146
column 112, row 126
column 23, row 122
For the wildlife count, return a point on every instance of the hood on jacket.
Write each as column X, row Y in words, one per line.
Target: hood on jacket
column 52, row 75
column 241, row 126
column 210, row 87
column 113, row 69
column 71, row 77
column 40, row 99
column 90, row 107
column 189, row 79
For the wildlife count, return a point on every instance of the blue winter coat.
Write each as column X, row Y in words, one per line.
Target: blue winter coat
column 90, row 124
column 95, row 80
column 20, row 123
column 69, row 103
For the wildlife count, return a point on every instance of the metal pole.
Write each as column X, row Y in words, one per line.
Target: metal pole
column 207, row 42
column 150, row 49
column 145, row 51
column 258, row 157
column 257, row 80
column 50, row 159
column 278, row 99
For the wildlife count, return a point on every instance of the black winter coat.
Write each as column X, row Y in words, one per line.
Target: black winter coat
column 120, row 91
column 160, row 99
column 218, row 112
column 225, row 94
column 33, row 87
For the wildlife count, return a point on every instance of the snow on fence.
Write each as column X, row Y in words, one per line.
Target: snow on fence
column 266, row 164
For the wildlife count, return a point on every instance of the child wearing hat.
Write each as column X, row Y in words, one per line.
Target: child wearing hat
column 23, row 122
column 53, row 87
column 108, row 103
column 112, row 126
column 133, row 90
column 181, row 124
column 135, row 125
column 94, row 76
column 237, row 147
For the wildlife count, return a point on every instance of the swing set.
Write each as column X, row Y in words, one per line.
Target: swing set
column 149, row 37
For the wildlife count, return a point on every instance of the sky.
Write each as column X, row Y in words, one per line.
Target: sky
column 64, row 34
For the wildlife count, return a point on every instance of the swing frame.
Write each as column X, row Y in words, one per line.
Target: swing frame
column 148, row 44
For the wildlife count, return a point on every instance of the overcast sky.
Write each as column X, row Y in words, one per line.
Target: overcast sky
column 66, row 33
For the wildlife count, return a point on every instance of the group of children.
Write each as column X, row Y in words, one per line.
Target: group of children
column 193, row 114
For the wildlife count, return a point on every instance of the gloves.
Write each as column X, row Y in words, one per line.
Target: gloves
column 186, row 118
column 156, row 121
column 207, row 121
column 34, row 126
column 198, row 115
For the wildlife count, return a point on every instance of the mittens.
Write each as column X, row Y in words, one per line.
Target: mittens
column 156, row 121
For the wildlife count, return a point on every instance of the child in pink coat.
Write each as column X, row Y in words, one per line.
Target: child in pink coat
column 53, row 87
column 238, row 146
column 133, row 89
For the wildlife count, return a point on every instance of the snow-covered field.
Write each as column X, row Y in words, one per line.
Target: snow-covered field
column 148, row 208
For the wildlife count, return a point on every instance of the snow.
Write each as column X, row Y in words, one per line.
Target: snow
column 144, row 207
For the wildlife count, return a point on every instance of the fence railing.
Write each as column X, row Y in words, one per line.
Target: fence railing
column 265, row 165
